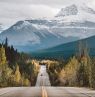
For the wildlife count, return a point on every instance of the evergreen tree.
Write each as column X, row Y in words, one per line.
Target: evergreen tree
column 6, row 42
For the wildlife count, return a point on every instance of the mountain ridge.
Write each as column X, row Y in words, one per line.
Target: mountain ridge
column 66, row 50
column 38, row 34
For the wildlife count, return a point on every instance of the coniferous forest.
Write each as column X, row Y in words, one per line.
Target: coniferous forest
column 19, row 69
column 16, row 69
column 47, row 48
column 78, row 70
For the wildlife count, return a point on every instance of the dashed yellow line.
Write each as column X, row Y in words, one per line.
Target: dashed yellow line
column 44, row 92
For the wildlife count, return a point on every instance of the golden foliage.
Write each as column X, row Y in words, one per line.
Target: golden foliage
column 69, row 72
column 17, row 76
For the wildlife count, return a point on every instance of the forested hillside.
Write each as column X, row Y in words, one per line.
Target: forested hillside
column 16, row 69
column 79, row 70
column 66, row 50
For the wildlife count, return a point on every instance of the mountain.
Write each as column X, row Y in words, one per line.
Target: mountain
column 30, row 35
column 70, row 24
column 66, row 50
column 75, row 13
column 70, row 10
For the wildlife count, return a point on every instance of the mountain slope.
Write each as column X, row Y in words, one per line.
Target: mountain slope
column 75, row 13
column 70, row 10
column 31, row 35
column 70, row 24
column 66, row 50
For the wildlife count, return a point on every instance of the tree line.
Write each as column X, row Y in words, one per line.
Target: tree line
column 79, row 70
column 16, row 69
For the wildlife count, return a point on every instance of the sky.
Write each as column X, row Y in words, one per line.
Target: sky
column 12, row 11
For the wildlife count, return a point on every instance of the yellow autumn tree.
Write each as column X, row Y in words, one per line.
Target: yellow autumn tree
column 17, row 75
column 68, row 75
column 26, row 82
column 2, row 57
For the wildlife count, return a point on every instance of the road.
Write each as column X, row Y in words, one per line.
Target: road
column 43, row 77
column 44, row 89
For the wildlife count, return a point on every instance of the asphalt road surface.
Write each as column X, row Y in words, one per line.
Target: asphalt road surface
column 43, row 77
column 44, row 89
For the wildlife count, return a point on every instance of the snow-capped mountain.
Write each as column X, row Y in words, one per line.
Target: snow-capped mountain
column 70, row 10
column 75, row 10
column 34, row 34
column 71, row 23
column 75, row 13
column 87, row 9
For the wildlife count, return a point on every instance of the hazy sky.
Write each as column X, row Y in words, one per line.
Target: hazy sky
column 14, row 10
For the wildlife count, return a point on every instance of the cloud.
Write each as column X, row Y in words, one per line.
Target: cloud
column 47, row 2
column 15, row 10
column 12, row 12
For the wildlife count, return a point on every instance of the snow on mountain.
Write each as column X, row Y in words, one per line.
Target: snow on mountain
column 71, row 23
column 70, row 10
column 76, row 13
column 34, row 34
column 87, row 9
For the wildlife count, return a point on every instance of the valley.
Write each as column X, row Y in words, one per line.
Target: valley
column 66, row 26
column 49, row 57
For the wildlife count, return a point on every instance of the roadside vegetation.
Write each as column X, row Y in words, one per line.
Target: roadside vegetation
column 19, row 69
column 53, row 69
column 79, row 70
column 16, row 69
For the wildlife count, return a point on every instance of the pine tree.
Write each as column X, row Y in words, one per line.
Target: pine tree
column 6, row 42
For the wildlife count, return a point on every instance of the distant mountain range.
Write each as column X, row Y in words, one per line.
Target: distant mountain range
column 66, row 50
column 70, row 24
